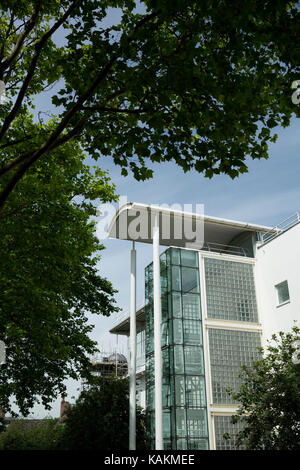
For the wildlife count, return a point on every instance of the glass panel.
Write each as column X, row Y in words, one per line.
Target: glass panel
column 191, row 306
column 163, row 283
column 182, row 444
column 166, row 424
column 193, row 357
column 165, row 361
column 195, row 391
column 196, row 422
column 178, row 360
column 189, row 258
column 175, row 256
column 176, row 303
column 198, row 444
column 180, row 422
column 164, row 334
column 190, row 280
column 167, row 444
column 192, row 332
column 149, row 342
column 177, row 331
column 176, row 282
column 163, row 262
column 164, row 308
column 179, row 390
column 165, row 394
column 150, row 397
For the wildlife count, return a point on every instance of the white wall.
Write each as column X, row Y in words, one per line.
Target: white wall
column 277, row 261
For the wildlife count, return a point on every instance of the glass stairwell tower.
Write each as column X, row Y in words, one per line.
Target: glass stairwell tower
column 201, row 357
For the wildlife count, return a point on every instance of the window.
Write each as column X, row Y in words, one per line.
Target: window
column 283, row 292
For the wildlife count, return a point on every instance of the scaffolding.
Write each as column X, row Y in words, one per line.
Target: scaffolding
column 104, row 364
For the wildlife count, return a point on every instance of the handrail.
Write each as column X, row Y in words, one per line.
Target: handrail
column 229, row 249
column 292, row 220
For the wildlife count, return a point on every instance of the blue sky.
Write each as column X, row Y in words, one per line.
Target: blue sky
column 268, row 193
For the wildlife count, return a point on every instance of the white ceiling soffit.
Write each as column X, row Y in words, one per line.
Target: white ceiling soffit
column 134, row 222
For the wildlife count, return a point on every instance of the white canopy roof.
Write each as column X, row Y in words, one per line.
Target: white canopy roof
column 134, row 221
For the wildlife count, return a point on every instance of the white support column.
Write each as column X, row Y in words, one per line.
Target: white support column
column 157, row 337
column 132, row 391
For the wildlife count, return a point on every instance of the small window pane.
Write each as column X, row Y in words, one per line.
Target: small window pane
column 194, row 363
column 175, row 256
column 164, row 334
column 179, row 390
column 178, row 360
column 195, row 391
column 164, row 307
column 180, row 422
column 166, row 424
column 189, row 258
column 283, row 292
column 190, row 280
column 178, row 333
column 192, row 332
column 196, row 422
column 176, row 282
column 182, row 444
column 191, row 306
column 176, row 303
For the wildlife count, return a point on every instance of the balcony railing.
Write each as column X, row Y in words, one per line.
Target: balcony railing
column 279, row 229
column 225, row 249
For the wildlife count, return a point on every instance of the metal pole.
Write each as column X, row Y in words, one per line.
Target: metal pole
column 132, row 391
column 157, row 337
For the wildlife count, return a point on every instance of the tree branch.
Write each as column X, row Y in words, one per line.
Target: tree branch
column 16, row 142
column 114, row 110
column 11, row 22
column 14, row 163
column 52, row 142
column 20, row 40
column 38, row 47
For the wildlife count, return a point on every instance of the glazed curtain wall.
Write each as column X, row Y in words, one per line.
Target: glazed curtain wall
column 184, row 398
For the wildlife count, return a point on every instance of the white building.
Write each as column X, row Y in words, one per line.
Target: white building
column 215, row 304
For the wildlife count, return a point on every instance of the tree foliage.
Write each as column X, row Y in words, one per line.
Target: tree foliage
column 32, row 435
column 49, row 277
column 99, row 420
column 201, row 83
column 270, row 397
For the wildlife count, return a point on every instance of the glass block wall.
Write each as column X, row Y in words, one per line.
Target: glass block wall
column 223, row 425
column 230, row 295
column 229, row 350
column 184, row 398
column 230, row 290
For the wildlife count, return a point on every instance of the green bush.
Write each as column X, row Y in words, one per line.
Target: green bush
column 26, row 435
column 99, row 420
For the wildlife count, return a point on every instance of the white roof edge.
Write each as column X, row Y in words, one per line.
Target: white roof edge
column 206, row 218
